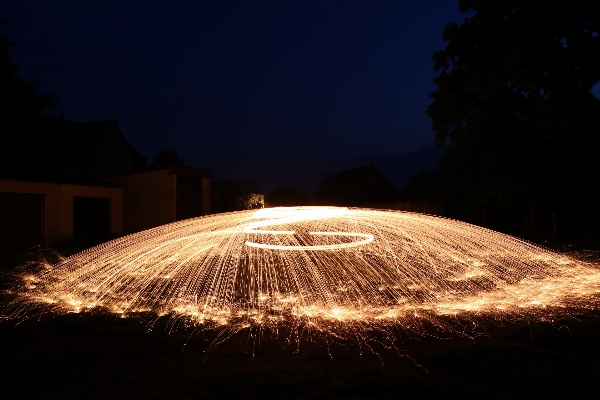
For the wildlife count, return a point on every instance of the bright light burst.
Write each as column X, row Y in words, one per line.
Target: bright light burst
column 325, row 269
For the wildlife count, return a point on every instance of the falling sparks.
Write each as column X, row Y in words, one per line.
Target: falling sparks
column 331, row 269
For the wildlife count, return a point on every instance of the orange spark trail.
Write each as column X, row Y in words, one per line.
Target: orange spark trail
column 333, row 269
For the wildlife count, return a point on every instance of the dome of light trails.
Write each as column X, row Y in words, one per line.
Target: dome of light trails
column 324, row 268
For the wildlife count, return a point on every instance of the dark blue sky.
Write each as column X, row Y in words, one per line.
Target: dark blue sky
column 275, row 91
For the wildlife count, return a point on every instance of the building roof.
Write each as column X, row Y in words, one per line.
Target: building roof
column 176, row 169
column 79, row 139
column 357, row 186
column 191, row 171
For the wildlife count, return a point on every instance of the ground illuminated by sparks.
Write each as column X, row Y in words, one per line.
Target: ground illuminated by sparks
column 324, row 269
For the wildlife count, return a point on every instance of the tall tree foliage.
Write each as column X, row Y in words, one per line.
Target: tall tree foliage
column 514, row 100
column 229, row 195
column 20, row 104
column 165, row 158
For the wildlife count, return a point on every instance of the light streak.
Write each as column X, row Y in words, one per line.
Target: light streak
column 335, row 270
column 287, row 215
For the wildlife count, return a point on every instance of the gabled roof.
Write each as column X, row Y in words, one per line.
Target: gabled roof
column 79, row 139
column 357, row 186
column 138, row 159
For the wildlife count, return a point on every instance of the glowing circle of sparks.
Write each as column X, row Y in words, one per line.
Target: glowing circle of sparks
column 278, row 216
column 324, row 267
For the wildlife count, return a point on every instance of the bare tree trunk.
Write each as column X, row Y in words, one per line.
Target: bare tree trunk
column 554, row 229
column 484, row 219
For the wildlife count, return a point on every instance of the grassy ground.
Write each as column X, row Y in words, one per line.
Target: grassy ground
column 94, row 356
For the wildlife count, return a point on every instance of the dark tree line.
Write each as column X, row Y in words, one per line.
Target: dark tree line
column 514, row 100
column 165, row 158
column 231, row 195
column 20, row 106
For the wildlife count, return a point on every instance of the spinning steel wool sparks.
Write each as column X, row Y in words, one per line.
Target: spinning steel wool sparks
column 321, row 268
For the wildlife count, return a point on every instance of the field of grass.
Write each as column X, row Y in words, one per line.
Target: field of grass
column 93, row 356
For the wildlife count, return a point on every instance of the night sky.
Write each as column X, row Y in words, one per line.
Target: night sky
column 282, row 92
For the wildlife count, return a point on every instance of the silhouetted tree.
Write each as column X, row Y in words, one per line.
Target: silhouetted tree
column 423, row 186
column 287, row 196
column 514, row 99
column 165, row 158
column 229, row 195
column 20, row 106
